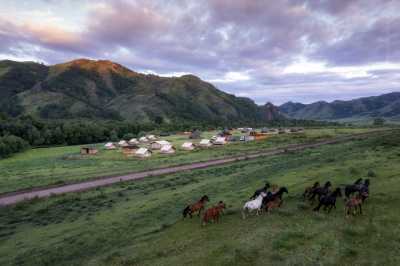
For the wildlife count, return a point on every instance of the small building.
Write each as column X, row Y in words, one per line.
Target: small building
column 143, row 140
column 219, row 141
column 205, row 143
column 164, row 134
column 232, row 138
column 133, row 142
column 225, row 133
column 195, row 134
column 167, row 149
column 88, row 150
column 157, row 145
column 109, row 146
column 143, row 153
column 122, row 143
column 264, row 130
column 247, row 138
column 130, row 149
column 188, row 146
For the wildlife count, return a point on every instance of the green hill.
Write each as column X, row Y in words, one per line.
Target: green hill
column 385, row 106
column 106, row 90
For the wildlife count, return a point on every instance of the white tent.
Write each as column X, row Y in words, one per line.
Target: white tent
column 205, row 143
column 219, row 141
column 122, row 143
column 143, row 139
column 156, row 145
column 143, row 153
column 188, row 146
column 167, row 149
column 109, row 146
column 151, row 137
column 133, row 141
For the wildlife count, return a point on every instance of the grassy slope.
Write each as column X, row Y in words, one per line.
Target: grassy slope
column 46, row 166
column 139, row 223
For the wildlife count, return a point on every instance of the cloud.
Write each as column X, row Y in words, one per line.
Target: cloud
column 269, row 51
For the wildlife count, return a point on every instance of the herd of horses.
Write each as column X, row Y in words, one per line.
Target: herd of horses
column 270, row 197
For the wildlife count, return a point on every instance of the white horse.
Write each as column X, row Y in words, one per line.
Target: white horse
column 253, row 205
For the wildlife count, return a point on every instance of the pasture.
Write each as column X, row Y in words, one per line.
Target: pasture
column 61, row 165
column 140, row 223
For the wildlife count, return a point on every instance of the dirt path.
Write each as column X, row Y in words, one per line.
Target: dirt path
column 15, row 197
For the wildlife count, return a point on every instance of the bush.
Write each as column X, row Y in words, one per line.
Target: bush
column 371, row 173
column 11, row 144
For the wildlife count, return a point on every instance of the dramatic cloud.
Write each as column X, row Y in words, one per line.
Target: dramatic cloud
column 299, row 50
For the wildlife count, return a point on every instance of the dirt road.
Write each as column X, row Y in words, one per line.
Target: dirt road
column 15, row 197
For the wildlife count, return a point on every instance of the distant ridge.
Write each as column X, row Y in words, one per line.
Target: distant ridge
column 366, row 108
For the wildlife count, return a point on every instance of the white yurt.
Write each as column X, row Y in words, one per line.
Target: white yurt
column 109, row 146
column 122, row 143
column 219, row 141
column 143, row 153
column 143, row 139
column 205, row 143
column 151, row 137
column 156, row 145
column 188, row 146
column 167, row 149
column 133, row 141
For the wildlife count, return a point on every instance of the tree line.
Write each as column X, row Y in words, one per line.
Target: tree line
column 21, row 133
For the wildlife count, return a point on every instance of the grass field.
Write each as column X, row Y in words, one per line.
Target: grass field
column 139, row 223
column 59, row 165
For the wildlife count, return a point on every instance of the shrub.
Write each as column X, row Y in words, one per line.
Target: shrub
column 371, row 173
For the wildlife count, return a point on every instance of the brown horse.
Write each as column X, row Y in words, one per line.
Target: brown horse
column 196, row 207
column 276, row 203
column 353, row 203
column 213, row 213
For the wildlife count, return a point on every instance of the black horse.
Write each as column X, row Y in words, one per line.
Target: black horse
column 273, row 196
column 320, row 191
column 357, row 187
column 258, row 191
column 309, row 190
column 329, row 201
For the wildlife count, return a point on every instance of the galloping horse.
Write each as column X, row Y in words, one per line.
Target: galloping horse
column 196, row 207
column 354, row 203
column 253, row 205
column 277, row 197
column 320, row 191
column 309, row 190
column 329, row 200
column 213, row 213
column 359, row 187
column 258, row 191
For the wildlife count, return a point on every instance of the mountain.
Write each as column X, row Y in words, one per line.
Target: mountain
column 367, row 108
column 106, row 90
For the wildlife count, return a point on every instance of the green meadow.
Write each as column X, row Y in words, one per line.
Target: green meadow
column 61, row 165
column 140, row 223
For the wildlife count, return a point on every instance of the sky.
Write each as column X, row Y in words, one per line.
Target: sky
column 270, row 51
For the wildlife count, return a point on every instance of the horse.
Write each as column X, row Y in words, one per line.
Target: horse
column 253, row 205
column 213, row 213
column 354, row 203
column 320, row 191
column 274, row 196
column 258, row 191
column 357, row 187
column 196, row 207
column 329, row 201
column 309, row 190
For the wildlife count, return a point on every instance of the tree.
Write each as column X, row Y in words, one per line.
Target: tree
column 113, row 135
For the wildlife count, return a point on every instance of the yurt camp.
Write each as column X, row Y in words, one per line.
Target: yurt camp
column 156, row 145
